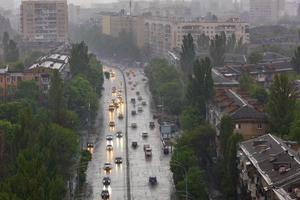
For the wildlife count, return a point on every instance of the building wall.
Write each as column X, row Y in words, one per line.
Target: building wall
column 250, row 129
column 106, row 25
column 44, row 21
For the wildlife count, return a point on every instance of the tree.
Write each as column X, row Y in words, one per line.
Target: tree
column 56, row 97
column 281, row 105
column 226, row 130
column 5, row 40
column 296, row 60
column 79, row 59
column 187, row 55
column 246, row 82
column 231, row 44
column 12, row 52
column 255, row 57
column 189, row 118
column 217, row 49
column 200, row 87
column 203, row 42
column 196, row 185
column 28, row 90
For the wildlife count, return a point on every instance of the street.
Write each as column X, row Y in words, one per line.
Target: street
column 140, row 168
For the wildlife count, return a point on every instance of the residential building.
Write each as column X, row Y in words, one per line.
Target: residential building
column 266, row 11
column 165, row 34
column 114, row 24
column 262, row 73
column 44, row 20
column 269, row 168
column 39, row 72
column 248, row 114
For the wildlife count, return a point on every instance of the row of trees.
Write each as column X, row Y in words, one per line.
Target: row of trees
column 39, row 138
column 165, row 85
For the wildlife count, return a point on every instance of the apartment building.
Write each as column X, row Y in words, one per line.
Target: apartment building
column 165, row 34
column 44, row 20
column 269, row 168
column 114, row 24
column 266, row 11
column 247, row 114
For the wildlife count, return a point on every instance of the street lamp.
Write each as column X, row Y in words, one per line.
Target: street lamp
column 178, row 164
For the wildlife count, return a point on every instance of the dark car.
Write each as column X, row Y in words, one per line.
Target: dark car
column 106, row 181
column 105, row 194
column 118, row 160
column 133, row 112
column 152, row 125
column 166, row 150
column 153, row 180
column 119, row 134
column 134, row 144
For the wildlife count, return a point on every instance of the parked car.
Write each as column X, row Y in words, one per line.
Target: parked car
column 132, row 100
column 148, row 152
column 137, row 93
column 140, row 98
column 111, row 107
column 144, row 103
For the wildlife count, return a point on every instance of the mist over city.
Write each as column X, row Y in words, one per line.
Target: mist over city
column 149, row 100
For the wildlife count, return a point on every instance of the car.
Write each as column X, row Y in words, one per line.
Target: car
column 166, row 150
column 144, row 79
column 144, row 103
column 137, row 93
column 134, row 144
column 132, row 100
column 107, row 166
column 90, row 145
column 113, row 90
column 118, row 160
column 146, row 146
column 116, row 104
column 129, row 82
column 119, row 134
column 148, row 152
column 152, row 125
column 121, row 116
column 133, row 112
column 140, row 98
column 133, row 125
column 109, row 137
column 140, row 109
column 132, row 88
column 144, row 135
column 112, row 124
column 109, row 147
column 106, row 181
column 152, row 180
column 105, row 194
column 111, row 107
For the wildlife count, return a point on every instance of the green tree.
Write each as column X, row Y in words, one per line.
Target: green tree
column 12, row 52
column 226, row 130
column 217, row 49
column 187, row 55
column 196, row 185
column 231, row 44
column 200, row 87
column 281, row 105
column 189, row 118
column 255, row 57
column 28, row 90
column 79, row 59
column 246, row 82
column 5, row 42
column 56, row 97
column 203, row 42
column 296, row 60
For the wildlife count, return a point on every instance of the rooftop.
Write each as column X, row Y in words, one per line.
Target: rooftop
column 273, row 159
column 53, row 61
column 238, row 104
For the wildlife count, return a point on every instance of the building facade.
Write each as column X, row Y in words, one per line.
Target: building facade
column 266, row 11
column 44, row 20
column 165, row 34
column 115, row 24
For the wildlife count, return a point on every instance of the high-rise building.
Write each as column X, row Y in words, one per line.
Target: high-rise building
column 44, row 20
column 266, row 11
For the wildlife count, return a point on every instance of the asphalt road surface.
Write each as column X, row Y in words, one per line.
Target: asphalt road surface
column 140, row 167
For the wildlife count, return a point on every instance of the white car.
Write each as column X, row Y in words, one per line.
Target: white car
column 109, row 137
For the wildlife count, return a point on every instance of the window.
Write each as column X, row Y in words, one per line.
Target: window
column 237, row 126
column 259, row 126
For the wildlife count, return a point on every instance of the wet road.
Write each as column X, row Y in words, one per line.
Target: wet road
column 140, row 168
column 95, row 171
